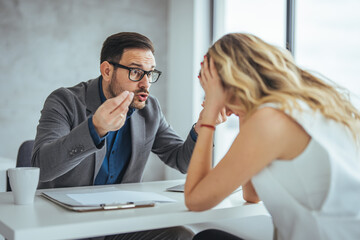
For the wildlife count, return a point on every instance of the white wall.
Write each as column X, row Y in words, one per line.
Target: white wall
column 49, row 44
column 189, row 39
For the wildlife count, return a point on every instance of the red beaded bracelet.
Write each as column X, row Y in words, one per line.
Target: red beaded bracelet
column 208, row 126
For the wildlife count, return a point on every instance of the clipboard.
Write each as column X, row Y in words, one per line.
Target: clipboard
column 101, row 207
column 63, row 198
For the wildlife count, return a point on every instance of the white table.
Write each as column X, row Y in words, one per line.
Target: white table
column 46, row 220
column 5, row 164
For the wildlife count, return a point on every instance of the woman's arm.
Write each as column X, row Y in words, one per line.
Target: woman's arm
column 267, row 135
column 253, row 149
column 249, row 193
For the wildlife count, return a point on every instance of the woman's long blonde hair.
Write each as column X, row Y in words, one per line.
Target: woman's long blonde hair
column 254, row 72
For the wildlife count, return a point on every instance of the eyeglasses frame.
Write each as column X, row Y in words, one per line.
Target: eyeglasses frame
column 131, row 68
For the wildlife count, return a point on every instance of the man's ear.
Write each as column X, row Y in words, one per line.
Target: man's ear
column 106, row 70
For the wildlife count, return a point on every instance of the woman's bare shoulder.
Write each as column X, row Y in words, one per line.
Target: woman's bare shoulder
column 279, row 129
column 270, row 118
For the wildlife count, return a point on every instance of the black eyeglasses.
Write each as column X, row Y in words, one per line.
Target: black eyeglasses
column 136, row 74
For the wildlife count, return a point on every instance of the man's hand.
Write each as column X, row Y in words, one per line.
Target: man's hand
column 111, row 115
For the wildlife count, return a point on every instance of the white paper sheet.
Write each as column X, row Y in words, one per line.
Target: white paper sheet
column 118, row 197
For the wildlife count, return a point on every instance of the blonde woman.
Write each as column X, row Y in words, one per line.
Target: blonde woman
column 297, row 149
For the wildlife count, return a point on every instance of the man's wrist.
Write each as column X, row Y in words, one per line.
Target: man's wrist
column 194, row 128
column 193, row 133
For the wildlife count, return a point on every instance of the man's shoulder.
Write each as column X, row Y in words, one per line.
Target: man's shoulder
column 77, row 90
column 68, row 95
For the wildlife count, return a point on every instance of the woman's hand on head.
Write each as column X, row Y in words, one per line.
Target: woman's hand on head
column 221, row 118
column 211, row 83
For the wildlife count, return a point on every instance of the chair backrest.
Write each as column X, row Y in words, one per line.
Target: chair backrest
column 24, row 154
column 23, row 157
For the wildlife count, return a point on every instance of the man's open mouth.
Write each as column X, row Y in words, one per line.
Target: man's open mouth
column 142, row 97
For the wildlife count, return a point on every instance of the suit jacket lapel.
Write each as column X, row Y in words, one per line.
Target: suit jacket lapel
column 137, row 141
column 92, row 103
column 92, row 96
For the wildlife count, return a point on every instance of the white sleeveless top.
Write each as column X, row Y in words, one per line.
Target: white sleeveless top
column 317, row 194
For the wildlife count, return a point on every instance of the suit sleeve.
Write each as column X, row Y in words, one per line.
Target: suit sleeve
column 170, row 147
column 63, row 139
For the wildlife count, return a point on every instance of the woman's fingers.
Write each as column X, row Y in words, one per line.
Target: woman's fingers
column 212, row 69
column 208, row 71
column 205, row 68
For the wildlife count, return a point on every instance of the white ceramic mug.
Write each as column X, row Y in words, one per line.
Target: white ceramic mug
column 23, row 182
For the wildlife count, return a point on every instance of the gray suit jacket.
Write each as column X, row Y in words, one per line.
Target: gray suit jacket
column 67, row 155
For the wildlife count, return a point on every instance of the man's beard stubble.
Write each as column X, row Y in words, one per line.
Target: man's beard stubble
column 115, row 90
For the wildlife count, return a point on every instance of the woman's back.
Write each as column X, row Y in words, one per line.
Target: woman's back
column 316, row 195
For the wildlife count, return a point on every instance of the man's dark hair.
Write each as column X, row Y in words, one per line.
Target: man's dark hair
column 114, row 46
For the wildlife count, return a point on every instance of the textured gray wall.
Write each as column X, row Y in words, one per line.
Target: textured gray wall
column 46, row 44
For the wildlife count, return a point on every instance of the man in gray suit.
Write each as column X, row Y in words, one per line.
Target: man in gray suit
column 102, row 131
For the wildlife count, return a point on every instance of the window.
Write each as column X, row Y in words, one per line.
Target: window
column 265, row 19
column 325, row 43
column 327, row 37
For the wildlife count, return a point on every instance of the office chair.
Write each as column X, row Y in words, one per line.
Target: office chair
column 24, row 154
column 23, row 157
